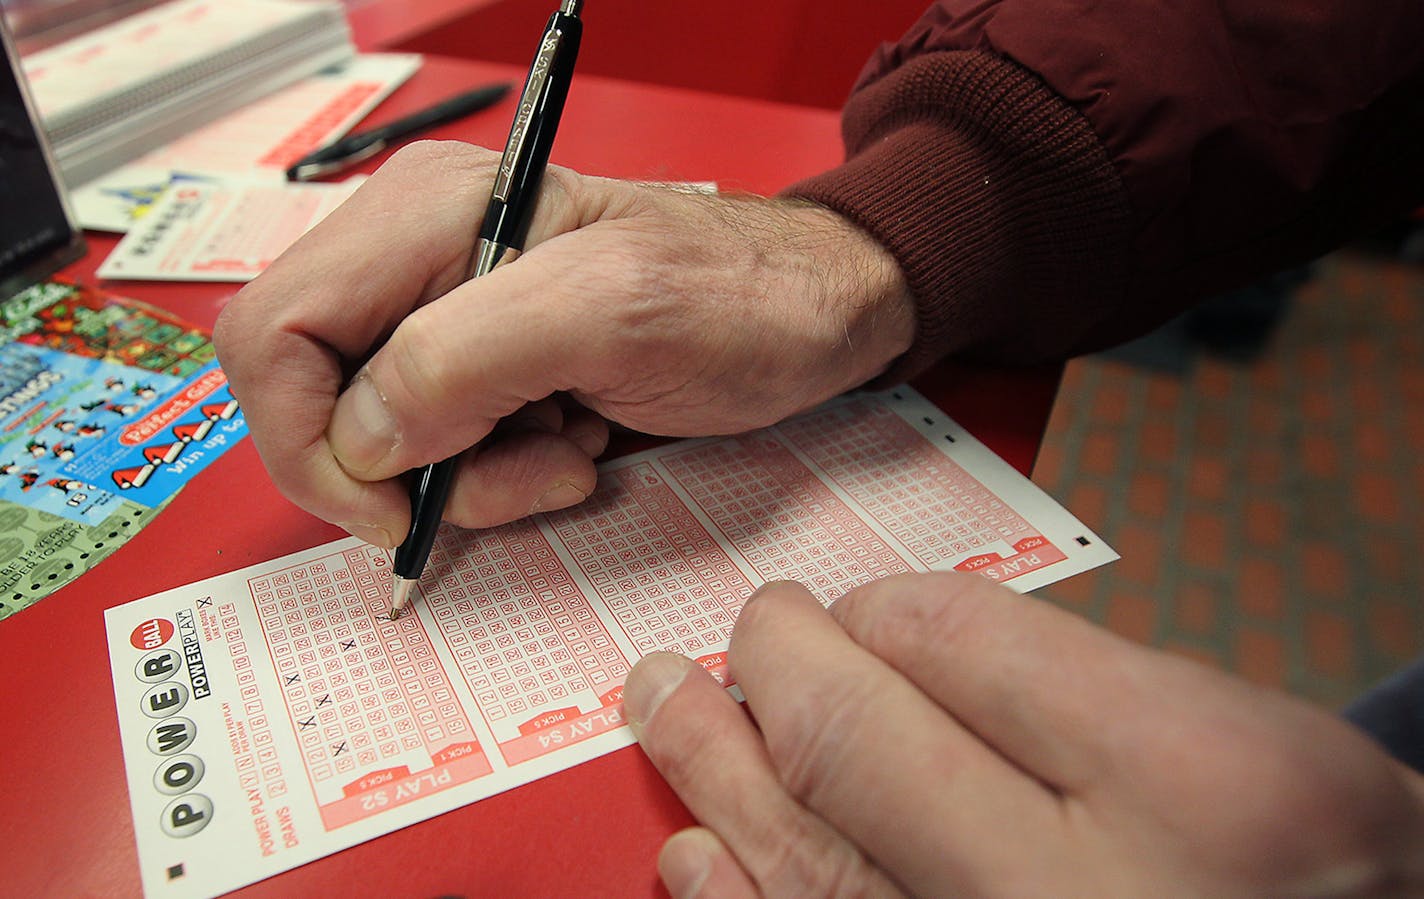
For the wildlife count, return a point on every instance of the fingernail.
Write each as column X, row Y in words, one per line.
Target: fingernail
column 373, row 534
column 650, row 682
column 686, row 862
column 362, row 430
column 560, row 496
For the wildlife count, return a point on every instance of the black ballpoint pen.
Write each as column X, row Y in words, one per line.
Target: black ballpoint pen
column 352, row 149
column 506, row 223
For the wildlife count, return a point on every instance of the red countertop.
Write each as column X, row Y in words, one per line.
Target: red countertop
column 592, row 830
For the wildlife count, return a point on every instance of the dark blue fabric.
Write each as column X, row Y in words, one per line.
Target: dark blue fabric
column 1393, row 713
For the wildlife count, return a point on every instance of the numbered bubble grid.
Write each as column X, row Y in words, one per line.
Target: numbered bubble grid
column 781, row 518
column 662, row 575
column 523, row 634
column 925, row 500
column 360, row 690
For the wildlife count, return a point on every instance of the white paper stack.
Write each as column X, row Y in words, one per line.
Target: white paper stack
column 119, row 91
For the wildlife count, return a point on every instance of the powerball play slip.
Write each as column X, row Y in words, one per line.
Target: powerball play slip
column 274, row 715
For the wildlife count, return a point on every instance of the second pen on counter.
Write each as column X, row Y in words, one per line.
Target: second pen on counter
column 352, row 149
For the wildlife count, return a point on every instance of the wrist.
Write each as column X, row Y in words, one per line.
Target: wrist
column 860, row 302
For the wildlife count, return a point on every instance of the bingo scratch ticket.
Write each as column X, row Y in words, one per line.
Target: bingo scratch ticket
column 274, row 715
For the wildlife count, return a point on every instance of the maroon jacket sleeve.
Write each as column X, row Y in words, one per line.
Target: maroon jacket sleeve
column 1055, row 177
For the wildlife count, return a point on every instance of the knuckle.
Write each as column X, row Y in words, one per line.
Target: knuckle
column 439, row 179
column 810, row 748
column 805, row 860
column 299, row 478
column 808, row 740
column 757, row 608
column 415, row 368
column 585, row 199
column 245, row 344
column 564, row 185
column 232, row 338
column 441, row 155
column 683, row 747
column 916, row 611
column 222, row 329
column 504, row 483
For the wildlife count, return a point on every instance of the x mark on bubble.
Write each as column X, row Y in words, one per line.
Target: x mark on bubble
column 307, row 722
column 205, row 602
column 293, row 678
column 324, row 701
column 338, row 748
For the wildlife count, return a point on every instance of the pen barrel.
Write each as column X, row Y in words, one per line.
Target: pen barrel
column 427, row 505
column 501, row 227
column 531, row 135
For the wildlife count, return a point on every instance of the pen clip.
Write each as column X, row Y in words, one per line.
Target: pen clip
column 534, row 89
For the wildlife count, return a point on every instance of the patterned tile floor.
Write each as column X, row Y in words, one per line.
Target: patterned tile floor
column 1268, row 510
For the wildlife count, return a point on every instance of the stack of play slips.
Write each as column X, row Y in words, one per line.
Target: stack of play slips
column 116, row 92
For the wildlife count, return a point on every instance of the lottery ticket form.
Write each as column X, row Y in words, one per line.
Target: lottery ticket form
column 257, row 142
column 274, row 715
column 221, row 232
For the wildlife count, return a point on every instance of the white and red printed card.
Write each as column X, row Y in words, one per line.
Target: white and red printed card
column 254, row 144
column 221, row 232
column 275, row 715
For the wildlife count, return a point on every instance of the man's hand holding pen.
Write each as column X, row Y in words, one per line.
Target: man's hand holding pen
column 503, row 231
column 666, row 311
column 932, row 734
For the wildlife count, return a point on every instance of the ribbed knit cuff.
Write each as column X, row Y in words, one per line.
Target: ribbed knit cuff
column 995, row 197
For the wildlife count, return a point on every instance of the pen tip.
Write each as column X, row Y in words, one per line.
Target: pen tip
column 400, row 595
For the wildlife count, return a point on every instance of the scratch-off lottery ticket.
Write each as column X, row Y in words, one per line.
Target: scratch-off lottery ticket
column 104, row 400
column 274, row 715
column 85, row 378
column 41, row 552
